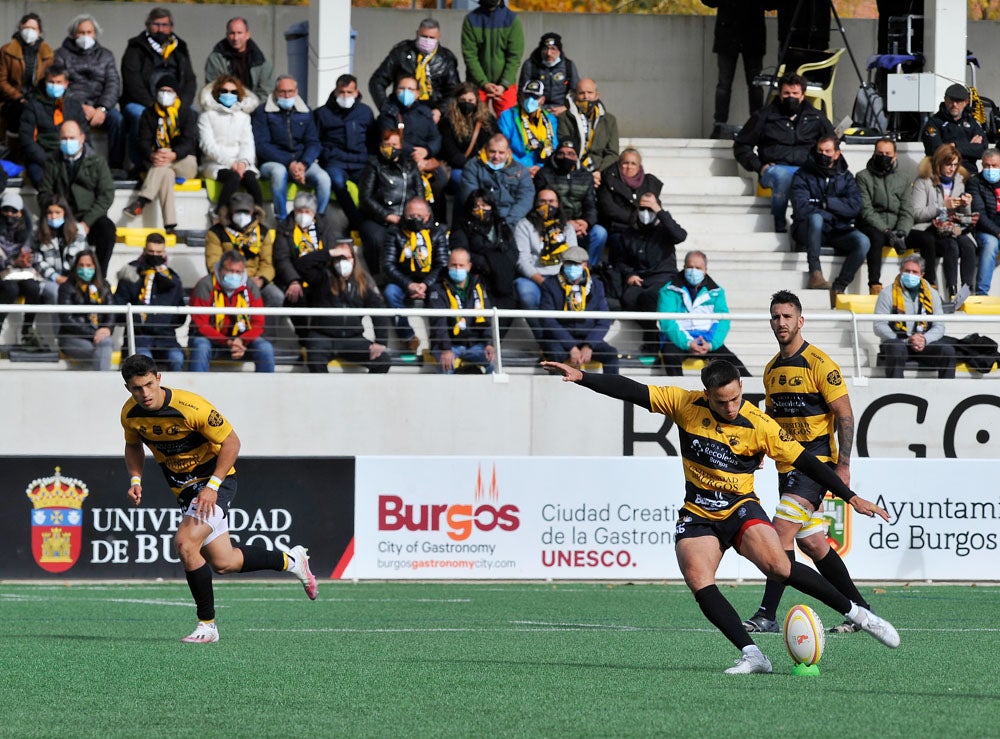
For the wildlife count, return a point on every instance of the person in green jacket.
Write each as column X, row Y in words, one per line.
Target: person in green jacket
column 492, row 45
column 238, row 55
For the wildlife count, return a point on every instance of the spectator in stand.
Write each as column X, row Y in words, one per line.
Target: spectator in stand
column 149, row 281
column 491, row 247
column 940, row 202
column 86, row 335
column 168, row 138
column 416, row 251
column 434, row 68
column 739, row 31
column 421, row 140
column 235, row 337
column 575, row 187
column 18, row 276
column 701, row 336
column 468, row 339
column 645, row 263
column 985, row 189
column 23, row 62
column 530, row 129
column 241, row 228
column 466, row 126
column 886, row 208
column 154, row 53
column 238, row 55
column 825, row 203
column 81, row 177
column 57, row 244
column 922, row 341
column 388, row 182
column 94, row 82
column 288, row 146
column 46, row 109
column 225, row 137
column 622, row 186
column 557, row 72
column 574, row 290
column 347, row 284
column 778, row 139
column 954, row 124
column 344, row 126
column 591, row 128
column 492, row 46
column 508, row 183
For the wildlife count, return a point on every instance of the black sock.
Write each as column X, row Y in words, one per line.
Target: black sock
column 810, row 582
column 200, row 582
column 832, row 567
column 143, row 201
column 258, row 558
column 773, row 590
column 721, row 613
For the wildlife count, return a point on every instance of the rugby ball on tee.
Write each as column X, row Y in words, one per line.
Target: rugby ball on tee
column 804, row 635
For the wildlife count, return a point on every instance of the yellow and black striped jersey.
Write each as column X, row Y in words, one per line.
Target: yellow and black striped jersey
column 720, row 457
column 799, row 392
column 185, row 436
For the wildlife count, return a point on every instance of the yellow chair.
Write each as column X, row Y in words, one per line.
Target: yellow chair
column 137, row 236
column 820, row 70
column 856, row 303
column 981, row 304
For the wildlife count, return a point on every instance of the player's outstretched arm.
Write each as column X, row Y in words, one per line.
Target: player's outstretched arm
column 822, row 474
column 614, row 386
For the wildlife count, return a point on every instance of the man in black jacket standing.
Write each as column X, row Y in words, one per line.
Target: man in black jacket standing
column 953, row 124
column 739, row 31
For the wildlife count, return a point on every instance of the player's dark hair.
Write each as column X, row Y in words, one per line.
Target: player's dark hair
column 718, row 373
column 786, row 297
column 138, row 365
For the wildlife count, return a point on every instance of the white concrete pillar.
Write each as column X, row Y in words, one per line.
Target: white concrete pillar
column 329, row 46
column 945, row 42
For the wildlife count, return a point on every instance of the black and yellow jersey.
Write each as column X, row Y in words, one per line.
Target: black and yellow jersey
column 720, row 457
column 185, row 436
column 799, row 392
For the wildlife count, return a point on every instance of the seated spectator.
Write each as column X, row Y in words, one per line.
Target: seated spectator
column 622, row 186
column 18, row 276
column 491, row 247
column 81, row 177
column 288, row 146
column 508, row 183
column 347, row 284
column 701, row 336
column 575, row 187
column 168, row 138
column 432, row 66
column 468, row 339
column 388, row 182
column 778, row 139
column 886, row 208
column 240, row 56
column 344, row 126
column 45, row 110
column 592, row 129
column 57, row 244
column 225, row 137
column 94, row 82
column 416, row 251
column 492, row 47
column 466, row 126
column 149, row 281
column 557, row 73
column 530, row 129
column 985, row 189
column 86, row 336
column 156, row 52
column 953, row 123
column 235, row 337
column 645, row 263
column 241, row 228
column 922, row 341
column 23, row 62
column 940, row 201
column 574, row 290
column 825, row 203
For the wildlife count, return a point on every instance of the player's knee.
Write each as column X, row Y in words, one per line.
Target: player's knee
column 187, row 548
column 777, row 569
column 815, row 547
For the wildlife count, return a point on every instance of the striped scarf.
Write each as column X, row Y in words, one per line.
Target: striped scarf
column 166, row 124
column 575, row 296
column 93, row 296
column 418, row 251
column 423, row 78
column 590, row 117
column 247, row 243
column 537, row 135
column 553, row 242
column 306, row 241
column 163, row 51
column 926, row 304
column 240, row 322
column 456, row 300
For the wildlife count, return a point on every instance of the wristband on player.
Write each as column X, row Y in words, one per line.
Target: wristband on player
column 136, row 480
column 214, row 483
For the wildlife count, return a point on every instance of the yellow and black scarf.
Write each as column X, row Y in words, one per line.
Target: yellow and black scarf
column 247, row 243
column 166, row 124
column 166, row 50
column 423, row 78
column 306, row 241
column 93, row 296
column 242, row 300
column 537, row 135
column 148, row 276
column 553, row 242
column 575, row 296
column 456, row 301
column 426, row 178
column 591, row 116
column 419, row 251
column 926, row 302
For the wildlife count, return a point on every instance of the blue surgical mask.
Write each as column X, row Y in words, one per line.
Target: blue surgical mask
column 530, row 105
column 573, row 272
column 228, row 99
column 693, row 276
column 457, row 275
column 86, row 273
column 55, row 222
column 69, row 147
column 286, row 103
column 909, row 280
column 406, row 98
column 54, row 91
column 497, row 166
column 991, row 175
column 233, row 281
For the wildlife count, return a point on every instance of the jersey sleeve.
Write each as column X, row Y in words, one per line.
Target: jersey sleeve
column 131, row 435
column 829, row 381
column 777, row 443
column 666, row 399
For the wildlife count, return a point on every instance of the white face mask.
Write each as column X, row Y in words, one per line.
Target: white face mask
column 646, row 216
column 303, row 220
column 346, row 101
column 165, row 98
column 29, row 35
column 242, row 220
column 86, row 42
column 553, row 63
column 345, row 267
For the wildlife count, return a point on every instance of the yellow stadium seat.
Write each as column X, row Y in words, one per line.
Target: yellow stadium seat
column 694, row 364
column 856, row 303
column 137, row 236
column 192, row 185
column 982, row 304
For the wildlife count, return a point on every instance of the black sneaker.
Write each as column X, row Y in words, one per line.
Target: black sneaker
column 848, row 627
column 759, row 625
column 32, row 342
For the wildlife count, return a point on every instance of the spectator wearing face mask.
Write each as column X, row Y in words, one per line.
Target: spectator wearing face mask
column 557, row 73
column 575, row 187
column 344, row 126
column 86, row 336
column 701, row 336
column 466, row 126
column 58, row 242
column 466, row 338
column 23, row 61
column 491, row 246
column 46, row 109
column 434, row 67
column 985, row 188
column 241, row 228
column 530, row 128
column 225, row 137
column 18, row 276
column 494, row 171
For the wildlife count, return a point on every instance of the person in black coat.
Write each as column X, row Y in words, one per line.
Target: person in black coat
column 46, row 108
column 467, row 124
column 463, row 337
column 491, row 246
column 86, row 335
column 739, row 31
column 985, row 189
column 557, row 74
column 953, row 124
column 622, row 185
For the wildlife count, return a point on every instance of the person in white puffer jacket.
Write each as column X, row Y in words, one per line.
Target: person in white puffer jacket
column 225, row 137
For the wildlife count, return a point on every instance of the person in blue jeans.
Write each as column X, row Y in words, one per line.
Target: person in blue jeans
column 460, row 337
column 985, row 188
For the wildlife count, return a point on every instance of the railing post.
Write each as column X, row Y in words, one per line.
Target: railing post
column 130, row 329
column 496, row 340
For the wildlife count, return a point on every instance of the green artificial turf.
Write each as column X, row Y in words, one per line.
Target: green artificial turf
column 416, row 659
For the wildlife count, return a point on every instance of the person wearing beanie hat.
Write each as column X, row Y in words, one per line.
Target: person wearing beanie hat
column 954, row 124
column 557, row 74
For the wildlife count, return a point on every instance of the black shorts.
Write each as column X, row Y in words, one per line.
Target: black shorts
column 728, row 531
column 227, row 491
column 796, row 482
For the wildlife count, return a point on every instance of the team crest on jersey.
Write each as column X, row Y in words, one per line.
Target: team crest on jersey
column 734, row 440
column 782, row 380
column 706, row 422
column 796, row 381
column 56, row 520
column 784, row 435
column 834, row 378
column 215, row 419
column 838, row 514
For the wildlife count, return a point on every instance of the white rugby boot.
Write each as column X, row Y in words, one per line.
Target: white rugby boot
column 300, row 568
column 753, row 661
column 204, row 633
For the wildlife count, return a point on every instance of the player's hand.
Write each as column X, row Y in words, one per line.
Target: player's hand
column 205, row 502
column 867, row 508
column 135, row 494
column 569, row 374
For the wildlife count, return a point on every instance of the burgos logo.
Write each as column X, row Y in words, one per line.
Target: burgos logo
column 458, row 519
